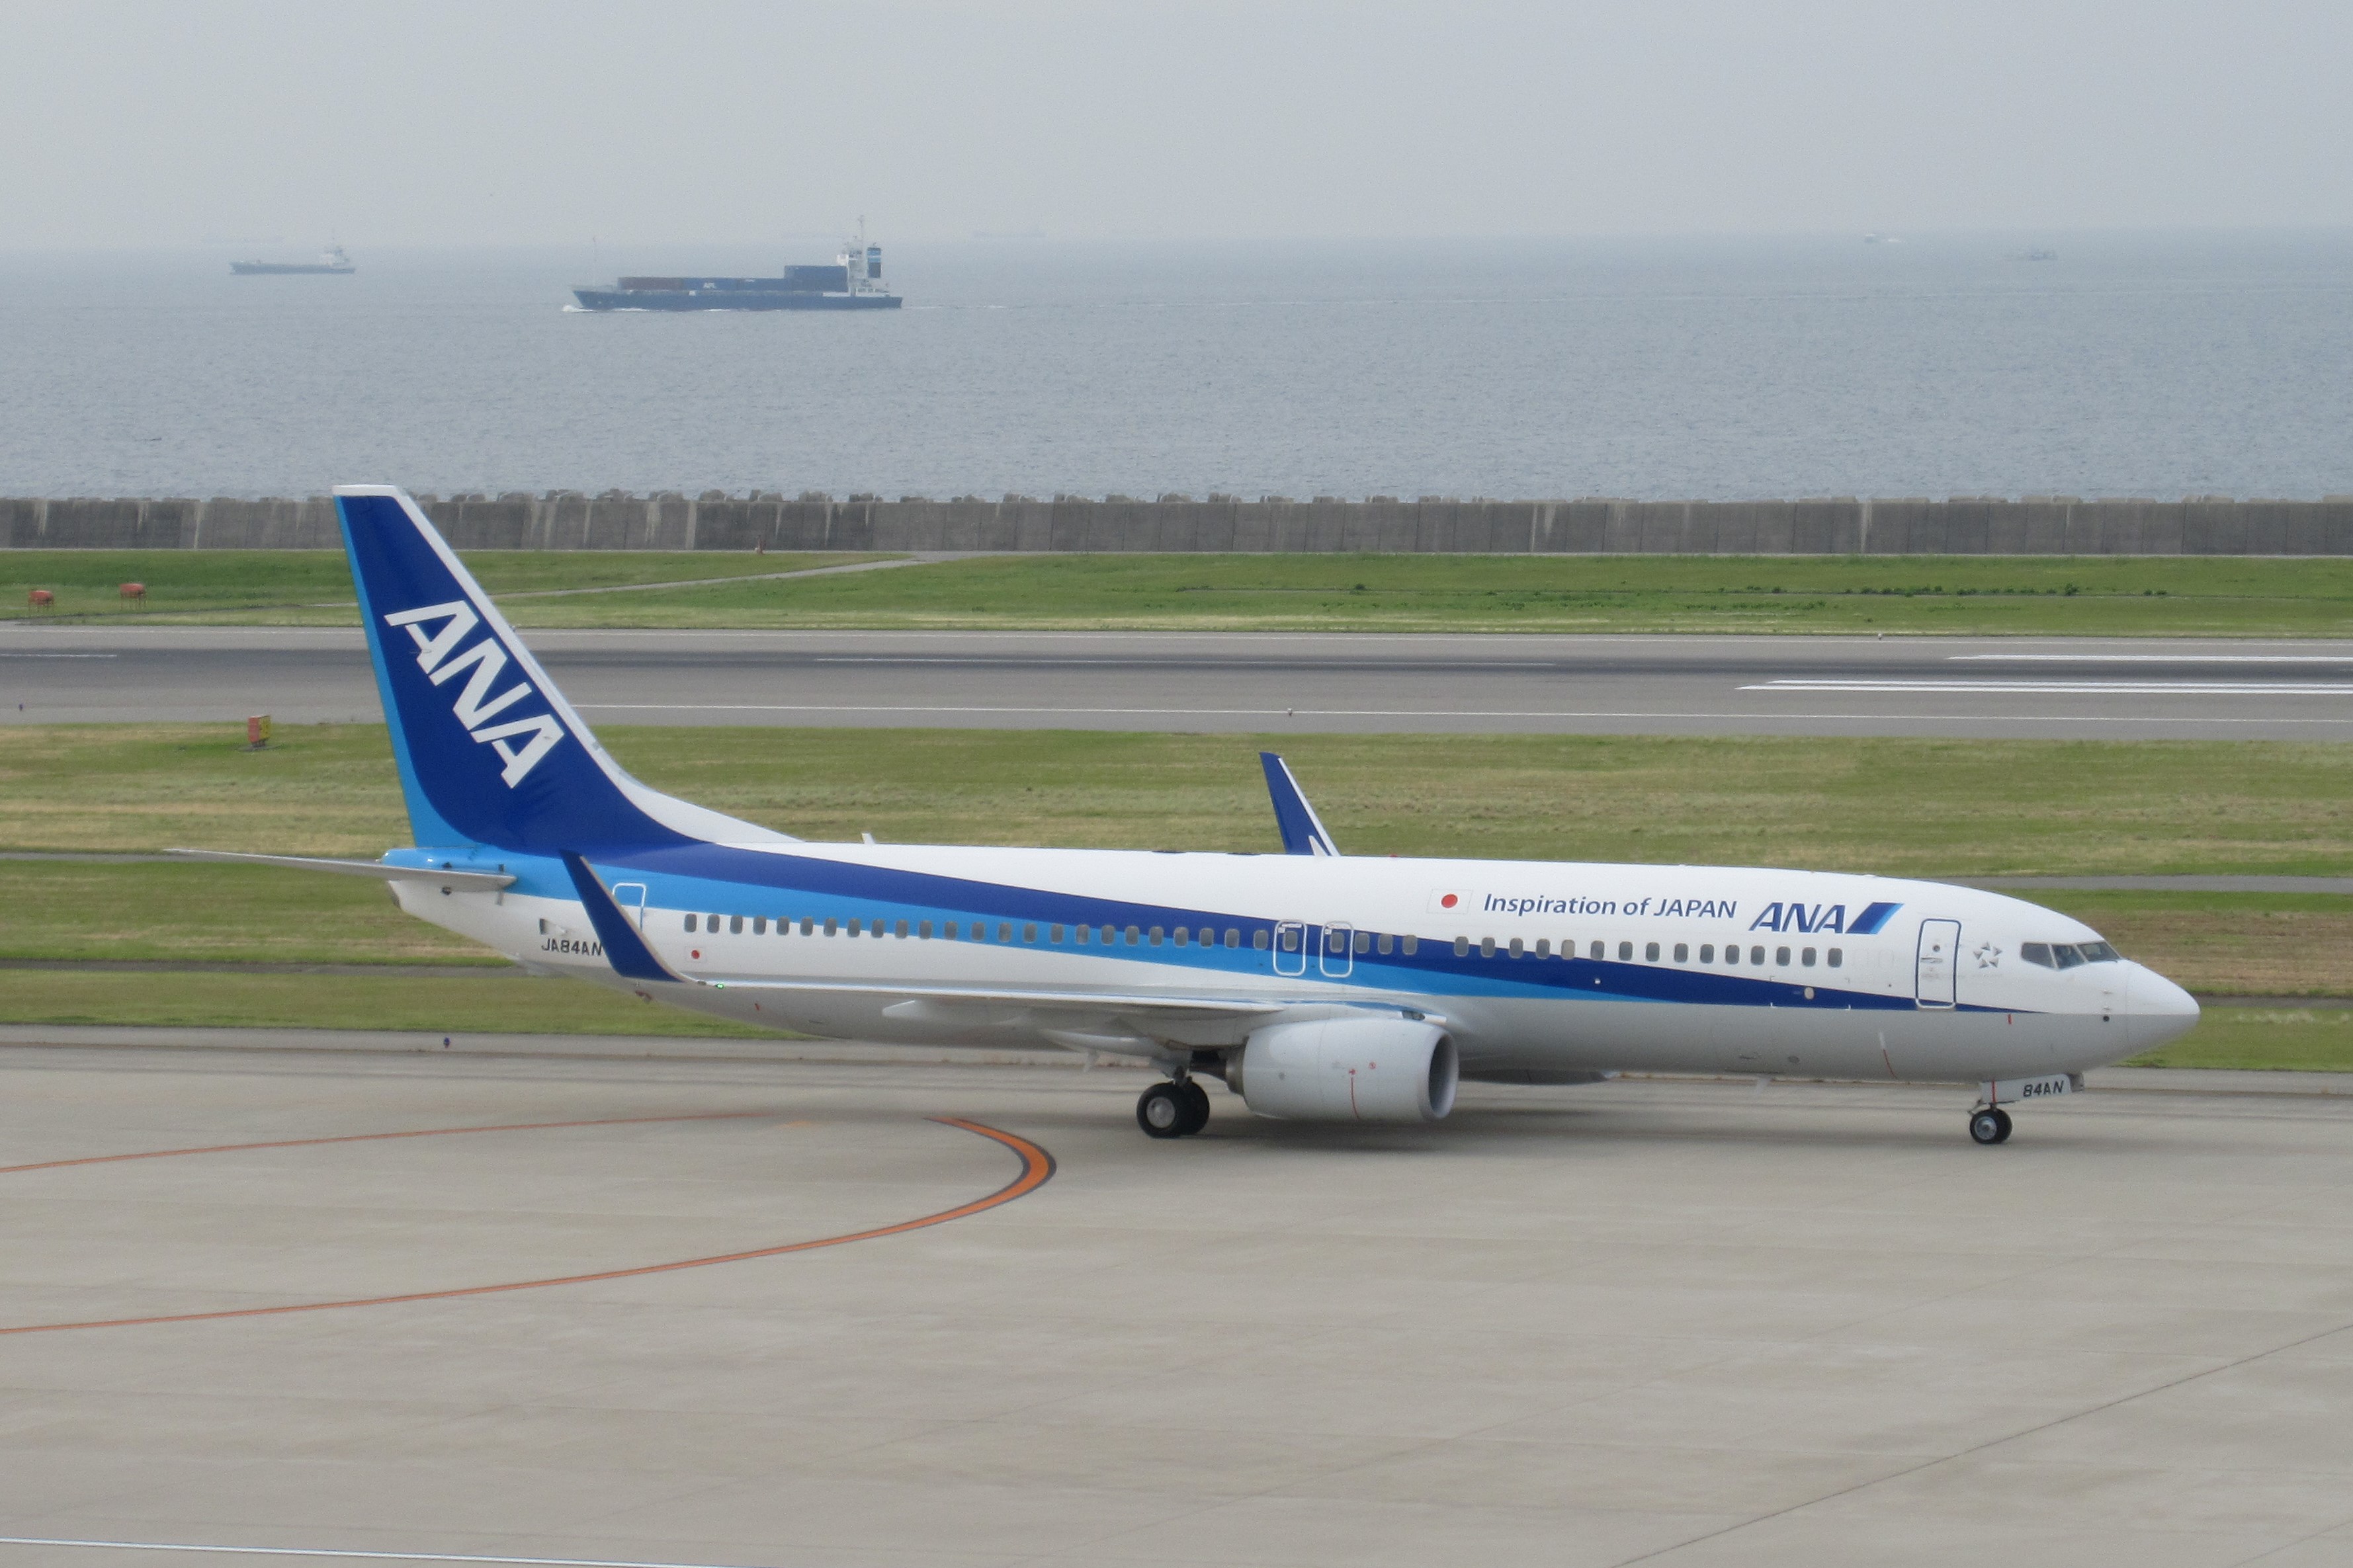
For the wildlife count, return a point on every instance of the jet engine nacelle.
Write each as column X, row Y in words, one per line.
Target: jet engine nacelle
column 1348, row 1070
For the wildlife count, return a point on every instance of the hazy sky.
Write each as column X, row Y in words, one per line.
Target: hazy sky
column 652, row 120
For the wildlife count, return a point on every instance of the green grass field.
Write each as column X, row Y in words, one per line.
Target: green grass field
column 1920, row 807
column 1928, row 807
column 290, row 587
column 2084, row 596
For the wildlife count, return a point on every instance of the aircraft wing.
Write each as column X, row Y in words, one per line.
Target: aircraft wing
column 472, row 882
column 1302, row 830
column 1144, row 1018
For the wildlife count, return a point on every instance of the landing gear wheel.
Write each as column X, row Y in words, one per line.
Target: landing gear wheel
column 1161, row 1112
column 1991, row 1126
column 1197, row 1106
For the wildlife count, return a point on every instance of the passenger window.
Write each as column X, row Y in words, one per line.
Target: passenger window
column 1543, row 947
column 1781, row 958
column 1387, row 944
column 901, row 928
column 1290, row 938
column 736, row 925
column 1835, row 955
column 808, row 926
column 1651, row 952
column 1683, row 953
column 1157, row 934
column 759, row 925
column 1258, row 939
column 711, row 925
column 1054, row 934
column 1365, row 942
column 1517, row 951
column 1109, row 935
column 690, row 922
column 1184, row 936
column 1731, row 955
column 1409, row 944
column 1707, row 952
column 854, row 925
column 1486, row 947
column 1595, row 952
column 1807, row 958
column 829, row 927
column 1755, row 955
column 1462, row 947
column 1134, row 936
column 1086, row 935
column 1029, row 932
column 1233, row 936
column 1004, row 931
column 922, row 931
column 1625, row 953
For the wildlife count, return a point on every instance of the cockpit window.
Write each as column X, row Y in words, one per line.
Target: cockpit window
column 2067, row 955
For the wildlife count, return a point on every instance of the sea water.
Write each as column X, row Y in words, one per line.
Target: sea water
column 1939, row 364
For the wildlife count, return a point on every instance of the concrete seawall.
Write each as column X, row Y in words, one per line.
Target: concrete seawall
column 2035, row 525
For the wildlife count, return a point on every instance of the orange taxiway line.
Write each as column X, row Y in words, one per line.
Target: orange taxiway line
column 1037, row 1170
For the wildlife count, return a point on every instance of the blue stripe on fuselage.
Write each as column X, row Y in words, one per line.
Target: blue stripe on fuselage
column 716, row 879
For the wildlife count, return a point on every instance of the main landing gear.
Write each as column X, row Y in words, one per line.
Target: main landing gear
column 1177, row 1109
column 1989, row 1124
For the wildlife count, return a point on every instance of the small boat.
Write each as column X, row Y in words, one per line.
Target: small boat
column 331, row 260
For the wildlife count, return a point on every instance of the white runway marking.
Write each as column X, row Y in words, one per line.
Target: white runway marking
column 1405, row 713
column 983, row 659
column 2153, row 657
column 2074, row 687
column 60, row 656
column 365, row 1556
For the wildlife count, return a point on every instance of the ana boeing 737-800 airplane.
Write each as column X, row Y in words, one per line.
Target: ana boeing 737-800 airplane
column 1317, row 986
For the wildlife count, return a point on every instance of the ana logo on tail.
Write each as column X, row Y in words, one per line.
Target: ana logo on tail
column 475, row 705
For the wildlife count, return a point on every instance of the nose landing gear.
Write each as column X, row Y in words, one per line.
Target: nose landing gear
column 1990, row 1125
column 1174, row 1109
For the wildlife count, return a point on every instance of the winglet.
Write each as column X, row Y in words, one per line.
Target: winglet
column 1303, row 831
column 625, row 949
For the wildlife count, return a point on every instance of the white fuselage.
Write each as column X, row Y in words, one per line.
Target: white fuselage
column 1546, row 971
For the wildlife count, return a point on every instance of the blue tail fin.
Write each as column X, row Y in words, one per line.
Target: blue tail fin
column 1302, row 830
column 489, row 752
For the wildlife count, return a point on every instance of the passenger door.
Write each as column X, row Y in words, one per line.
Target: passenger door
column 1935, row 964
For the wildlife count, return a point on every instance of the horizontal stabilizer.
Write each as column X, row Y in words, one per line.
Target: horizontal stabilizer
column 471, row 881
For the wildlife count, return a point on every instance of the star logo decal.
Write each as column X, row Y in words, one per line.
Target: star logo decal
column 1988, row 956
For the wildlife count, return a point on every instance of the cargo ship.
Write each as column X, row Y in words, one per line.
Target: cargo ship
column 854, row 282
column 331, row 260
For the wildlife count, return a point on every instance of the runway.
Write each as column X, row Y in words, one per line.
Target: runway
column 1247, row 681
column 771, row 1314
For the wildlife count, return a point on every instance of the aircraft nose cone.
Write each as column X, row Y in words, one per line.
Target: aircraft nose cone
column 2159, row 1010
